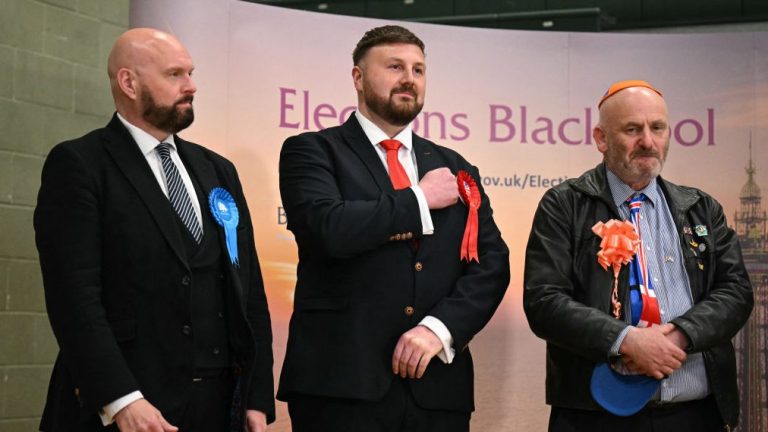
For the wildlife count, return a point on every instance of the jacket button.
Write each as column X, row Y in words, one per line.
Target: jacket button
column 408, row 310
column 418, row 266
column 216, row 351
column 186, row 280
column 187, row 330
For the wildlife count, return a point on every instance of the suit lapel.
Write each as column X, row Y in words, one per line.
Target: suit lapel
column 129, row 159
column 204, row 171
column 200, row 167
column 427, row 157
column 359, row 143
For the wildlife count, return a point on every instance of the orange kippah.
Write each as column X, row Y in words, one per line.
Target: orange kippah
column 621, row 85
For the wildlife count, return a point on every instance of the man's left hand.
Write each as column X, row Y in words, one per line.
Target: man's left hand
column 413, row 352
column 255, row 421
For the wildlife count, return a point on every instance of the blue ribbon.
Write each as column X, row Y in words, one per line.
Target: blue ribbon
column 227, row 215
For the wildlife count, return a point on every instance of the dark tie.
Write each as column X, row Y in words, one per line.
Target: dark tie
column 177, row 193
column 396, row 171
column 643, row 303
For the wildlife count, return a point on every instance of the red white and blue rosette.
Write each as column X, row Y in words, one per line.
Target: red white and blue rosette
column 225, row 212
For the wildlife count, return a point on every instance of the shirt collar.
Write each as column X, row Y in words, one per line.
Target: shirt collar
column 145, row 141
column 376, row 135
column 621, row 191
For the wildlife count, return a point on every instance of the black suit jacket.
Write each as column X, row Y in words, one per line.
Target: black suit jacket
column 117, row 280
column 359, row 272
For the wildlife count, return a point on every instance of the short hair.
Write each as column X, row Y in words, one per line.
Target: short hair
column 384, row 35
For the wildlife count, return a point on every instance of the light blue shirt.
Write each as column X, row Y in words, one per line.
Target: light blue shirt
column 664, row 258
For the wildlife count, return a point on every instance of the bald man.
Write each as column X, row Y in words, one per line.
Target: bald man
column 677, row 329
column 160, row 326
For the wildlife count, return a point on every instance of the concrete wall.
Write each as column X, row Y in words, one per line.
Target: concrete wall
column 53, row 86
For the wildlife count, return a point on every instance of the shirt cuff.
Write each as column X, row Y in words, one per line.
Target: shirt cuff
column 109, row 411
column 619, row 340
column 442, row 332
column 426, row 218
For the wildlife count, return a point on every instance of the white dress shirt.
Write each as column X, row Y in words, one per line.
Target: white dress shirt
column 407, row 159
column 147, row 144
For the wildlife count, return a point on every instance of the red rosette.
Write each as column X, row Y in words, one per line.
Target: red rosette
column 470, row 194
column 617, row 248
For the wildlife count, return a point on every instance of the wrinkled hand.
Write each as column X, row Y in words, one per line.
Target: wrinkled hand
column 440, row 189
column 141, row 416
column 648, row 351
column 255, row 421
column 413, row 352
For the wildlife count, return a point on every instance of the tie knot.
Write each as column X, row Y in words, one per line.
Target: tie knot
column 163, row 149
column 636, row 201
column 391, row 144
column 637, row 198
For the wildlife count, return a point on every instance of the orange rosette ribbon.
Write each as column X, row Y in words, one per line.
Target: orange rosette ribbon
column 619, row 244
column 470, row 194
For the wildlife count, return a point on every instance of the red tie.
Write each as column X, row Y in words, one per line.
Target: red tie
column 396, row 171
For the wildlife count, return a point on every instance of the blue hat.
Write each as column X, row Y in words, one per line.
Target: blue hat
column 621, row 395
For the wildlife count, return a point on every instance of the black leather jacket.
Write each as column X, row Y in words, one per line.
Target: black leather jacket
column 567, row 294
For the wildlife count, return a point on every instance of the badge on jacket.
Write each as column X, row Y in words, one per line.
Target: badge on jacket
column 226, row 214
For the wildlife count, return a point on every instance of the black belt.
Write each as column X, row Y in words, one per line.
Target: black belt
column 676, row 406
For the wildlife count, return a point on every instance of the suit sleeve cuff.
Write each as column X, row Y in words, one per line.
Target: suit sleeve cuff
column 442, row 332
column 109, row 411
column 426, row 217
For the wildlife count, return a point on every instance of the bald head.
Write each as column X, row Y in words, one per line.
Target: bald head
column 633, row 135
column 150, row 75
column 632, row 100
column 137, row 46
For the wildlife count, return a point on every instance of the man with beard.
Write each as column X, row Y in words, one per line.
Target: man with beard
column 670, row 313
column 384, row 306
column 161, row 326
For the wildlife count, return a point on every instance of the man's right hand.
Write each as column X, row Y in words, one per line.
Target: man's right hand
column 440, row 189
column 648, row 351
column 141, row 416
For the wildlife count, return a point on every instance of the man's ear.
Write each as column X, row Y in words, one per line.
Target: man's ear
column 126, row 80
column 599, row 136
column 357, row 78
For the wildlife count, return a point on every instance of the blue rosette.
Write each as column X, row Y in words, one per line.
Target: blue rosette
column 225, row 212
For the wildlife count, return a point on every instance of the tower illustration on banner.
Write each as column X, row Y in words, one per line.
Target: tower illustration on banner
column 751, row 353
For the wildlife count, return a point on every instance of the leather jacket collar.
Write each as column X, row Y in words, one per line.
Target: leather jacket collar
column 595, row 184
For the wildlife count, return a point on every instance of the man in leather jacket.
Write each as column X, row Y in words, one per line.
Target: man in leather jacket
column 694, row 260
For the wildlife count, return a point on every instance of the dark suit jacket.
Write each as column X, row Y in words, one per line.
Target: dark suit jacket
column 117, row 280
column 359, row 273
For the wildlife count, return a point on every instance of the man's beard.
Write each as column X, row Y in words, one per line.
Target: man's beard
column 393, row 112
column 167, row 118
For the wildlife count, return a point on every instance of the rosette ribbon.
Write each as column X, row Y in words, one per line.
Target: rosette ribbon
column 226, row 214
column 620, row 241
column 470, row 194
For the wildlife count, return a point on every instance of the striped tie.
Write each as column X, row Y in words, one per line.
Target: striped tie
column 177, row 193
column 643, row 303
